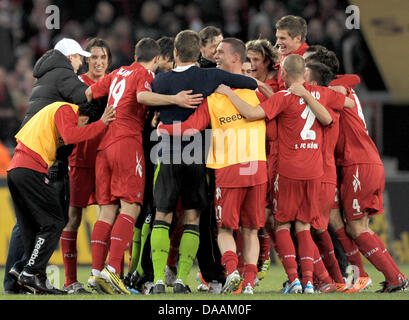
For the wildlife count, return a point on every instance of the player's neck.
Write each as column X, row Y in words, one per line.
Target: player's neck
column 300, row 80
column 236, row 69
column 147, row 65
column 182, row 64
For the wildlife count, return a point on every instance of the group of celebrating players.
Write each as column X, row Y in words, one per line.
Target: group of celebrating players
column 303, row 162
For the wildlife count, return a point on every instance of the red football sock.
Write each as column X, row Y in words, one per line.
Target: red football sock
column 121, row 236
column 100, row 244
column 250, row 273
column 369, row 247
column 229, row 261
column 326, row 249
column 306, row 252
column 319, row 268
column 351, row 251
column 173, row 254
column 272, row 235
column 238, row 238
column 265, row 246
column 68, row 242
column 386, row 253
column 286, row 252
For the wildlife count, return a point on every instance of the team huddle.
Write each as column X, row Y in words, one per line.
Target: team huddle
column 205, row 148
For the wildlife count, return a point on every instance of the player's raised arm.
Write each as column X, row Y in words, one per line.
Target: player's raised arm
column 322, row 114
column 197, row 121
column 183, row 99
column 246, row 110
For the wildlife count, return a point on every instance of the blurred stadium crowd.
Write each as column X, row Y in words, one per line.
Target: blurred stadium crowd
column 24, row 36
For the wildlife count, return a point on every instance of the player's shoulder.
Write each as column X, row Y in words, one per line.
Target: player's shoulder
column 283, row 94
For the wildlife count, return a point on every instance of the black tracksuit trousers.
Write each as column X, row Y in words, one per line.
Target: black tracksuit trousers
column 39, row 215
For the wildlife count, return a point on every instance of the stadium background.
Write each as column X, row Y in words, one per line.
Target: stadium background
column 376, row 51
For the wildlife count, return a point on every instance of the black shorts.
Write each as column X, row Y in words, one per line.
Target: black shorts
column 185, row 180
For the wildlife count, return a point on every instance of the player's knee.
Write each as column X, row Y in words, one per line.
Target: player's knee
column 301, row 226
column 355, row 227
column 192, row 217
column 164, row 216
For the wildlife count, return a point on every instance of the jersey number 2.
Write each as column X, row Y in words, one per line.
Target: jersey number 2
column 306, row 132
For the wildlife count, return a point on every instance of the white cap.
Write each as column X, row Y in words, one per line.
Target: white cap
column 69, row 46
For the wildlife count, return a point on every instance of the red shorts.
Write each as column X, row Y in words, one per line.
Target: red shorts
column 82, row 186
column 243, row 207
column 120, row 172
column 328, row 201
column 361, row 190
column 271, row 175
column 297, row 199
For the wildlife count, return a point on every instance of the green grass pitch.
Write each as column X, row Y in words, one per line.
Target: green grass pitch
column 269, row 289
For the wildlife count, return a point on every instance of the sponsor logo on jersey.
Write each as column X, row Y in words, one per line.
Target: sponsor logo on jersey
column 225, row 120
column 356, row 183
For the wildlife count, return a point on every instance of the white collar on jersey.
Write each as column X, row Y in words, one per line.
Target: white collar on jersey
column 183, row 68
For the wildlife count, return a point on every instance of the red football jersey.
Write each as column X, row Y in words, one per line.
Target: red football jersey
column 271, row 125
column 87, row 80
column 354, row 144
column 299, row 134
column 329, row 142
column 122, row 86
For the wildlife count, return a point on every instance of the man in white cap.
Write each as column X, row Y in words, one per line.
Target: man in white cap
column 73, row 51
column 56, row 80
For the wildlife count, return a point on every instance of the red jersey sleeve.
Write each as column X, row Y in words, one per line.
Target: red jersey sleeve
column 261, row 97
column 198, row 121
column 66, row 121
column 144, row 83
column 335, row 100
column 346, row 80
column 275, row 104
column 101, row 88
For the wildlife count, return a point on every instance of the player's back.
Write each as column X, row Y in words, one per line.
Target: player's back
column 300, row 135
column 354, row 143
column 122, row 86
column 125, row 83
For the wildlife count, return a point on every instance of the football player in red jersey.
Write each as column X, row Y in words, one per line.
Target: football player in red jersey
column 119, row 166
column 300, row 165
column 291, row 32
column 320, row 74
column 361, row 279
column 82, row 171
column 362, row 184
column 264, row 57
